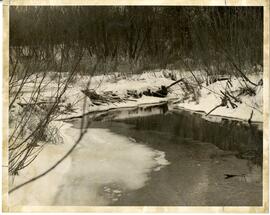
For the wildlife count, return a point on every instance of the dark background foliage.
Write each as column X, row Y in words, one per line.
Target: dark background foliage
column 206, row 36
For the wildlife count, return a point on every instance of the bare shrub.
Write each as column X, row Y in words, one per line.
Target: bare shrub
column 31, row 110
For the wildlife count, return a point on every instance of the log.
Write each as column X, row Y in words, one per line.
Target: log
column 162, row 92
column 176, row 82
column 96, row 99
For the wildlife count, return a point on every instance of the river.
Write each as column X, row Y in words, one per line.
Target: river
column 156, row 156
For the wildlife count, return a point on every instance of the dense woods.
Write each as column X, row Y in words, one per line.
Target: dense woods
column 209, row 38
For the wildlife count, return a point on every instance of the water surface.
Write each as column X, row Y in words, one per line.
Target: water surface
column 199, row 151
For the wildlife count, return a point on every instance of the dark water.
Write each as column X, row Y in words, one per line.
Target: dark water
column 230, row 135
column 200, row 151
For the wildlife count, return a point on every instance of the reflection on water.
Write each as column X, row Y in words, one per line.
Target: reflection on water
column 200, row 152
column 227, row 134
column 133, row 112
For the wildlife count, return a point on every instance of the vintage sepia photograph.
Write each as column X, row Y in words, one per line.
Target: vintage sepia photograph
column 136, row 105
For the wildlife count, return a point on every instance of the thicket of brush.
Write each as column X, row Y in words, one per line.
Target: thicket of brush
column 216, row 39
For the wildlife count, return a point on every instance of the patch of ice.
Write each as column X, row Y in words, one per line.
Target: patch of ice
column 117, row 191
column 160, row 158
column 105, row 161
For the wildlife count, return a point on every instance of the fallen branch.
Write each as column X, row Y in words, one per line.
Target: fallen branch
column 224, row 102
column 176, row 82
column 213, row 109
column 228, row 99
column 231, row 176
column 233, row 97
column 106, row 98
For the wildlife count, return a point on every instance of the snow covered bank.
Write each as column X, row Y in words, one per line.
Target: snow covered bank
column 44, row 189
column 97, row 172
column 209, row 96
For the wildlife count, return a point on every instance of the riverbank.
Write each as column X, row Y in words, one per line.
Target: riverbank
column 247, row 108
column 247, row 102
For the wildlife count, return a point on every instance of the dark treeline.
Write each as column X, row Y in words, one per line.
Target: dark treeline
column 202, row 36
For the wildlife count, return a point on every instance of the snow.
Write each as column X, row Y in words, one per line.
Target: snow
column 210, row 98
column 117, row 160
column 210, row 95
column 44, row 188
column 119, row 84
column 101, row 160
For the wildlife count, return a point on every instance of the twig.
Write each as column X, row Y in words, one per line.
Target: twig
column 213, row 109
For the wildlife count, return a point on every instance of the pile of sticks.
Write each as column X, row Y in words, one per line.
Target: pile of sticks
column 107, row 97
